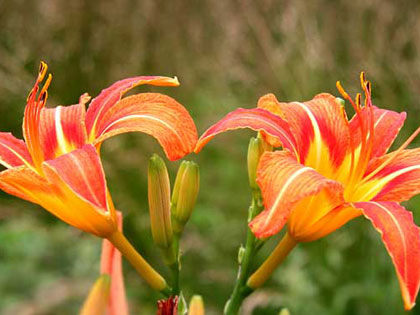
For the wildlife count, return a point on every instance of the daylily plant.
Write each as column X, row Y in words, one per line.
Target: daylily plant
column 332, row 170
column 58, row 165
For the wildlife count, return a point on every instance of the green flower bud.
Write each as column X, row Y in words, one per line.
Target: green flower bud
column 185, row 194
column 255, row 150
column 159, row 202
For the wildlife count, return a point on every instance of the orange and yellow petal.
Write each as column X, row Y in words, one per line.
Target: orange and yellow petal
column 320, row 127
column 108, row 97
column 256, row 119
column 111, row 265
column 66, row 191
column 79, row 194
column 332, row 220
column 61, row 130
column 398, row 180
column 287, row 187
column 13, row 151
column 387, row 125
column 23, row 182
column 402, row 240
column 81, row 170
column 155, row 114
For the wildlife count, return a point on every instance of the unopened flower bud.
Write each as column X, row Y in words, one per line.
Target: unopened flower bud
column 284, row 311
column 185, row 194
column 97, row 300
column 159, row 202
column 196, row 306
column 255, row 150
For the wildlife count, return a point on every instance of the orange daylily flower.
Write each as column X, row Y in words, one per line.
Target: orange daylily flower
column 58, row 165
column 331, row 171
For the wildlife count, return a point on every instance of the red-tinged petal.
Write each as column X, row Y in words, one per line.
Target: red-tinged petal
column 402, row 240
column 155, row 114
column 111, row 264
column 104, row 102
column 320, row 127
column 387, row 126
column 256, row 119
column 79, row 191
column 97, row 300
column 285, row 184
column 398, row 181
column 62, row 130
column 13, row 151
column 82, row 171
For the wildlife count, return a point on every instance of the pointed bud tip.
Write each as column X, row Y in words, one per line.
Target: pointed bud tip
column 284, row 311
column 196, row 305
column 97, row 300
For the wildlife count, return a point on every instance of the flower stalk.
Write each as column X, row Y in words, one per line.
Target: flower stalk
column 279, row 254
column 241, row 290
column 144, row 269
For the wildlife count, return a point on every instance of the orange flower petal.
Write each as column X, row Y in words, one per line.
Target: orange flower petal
column 155, row 114
column 319, row 126
column 24, row 183
column 402, row 241
column 62, row 130
column 256, row 119
column 284, row 182
column 82, row 172
column 387, row 126
column 330, row 222
column 399, row 180
column 13, row 151
column 80, row 196
column 104, row 102
column 111, row 264
column 67, row 190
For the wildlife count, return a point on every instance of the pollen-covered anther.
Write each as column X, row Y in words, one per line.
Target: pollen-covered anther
column 43, row 94
column 43, row 67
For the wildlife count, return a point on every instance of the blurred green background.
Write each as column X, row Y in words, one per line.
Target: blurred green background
column 226, row 54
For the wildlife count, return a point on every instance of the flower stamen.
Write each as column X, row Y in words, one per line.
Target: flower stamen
column 32, row 116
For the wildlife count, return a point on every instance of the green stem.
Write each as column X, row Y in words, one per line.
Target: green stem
column 175, row 268
column 144, row 269
column 241, row 290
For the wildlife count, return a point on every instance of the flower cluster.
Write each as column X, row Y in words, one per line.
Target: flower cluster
column 311, row 170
